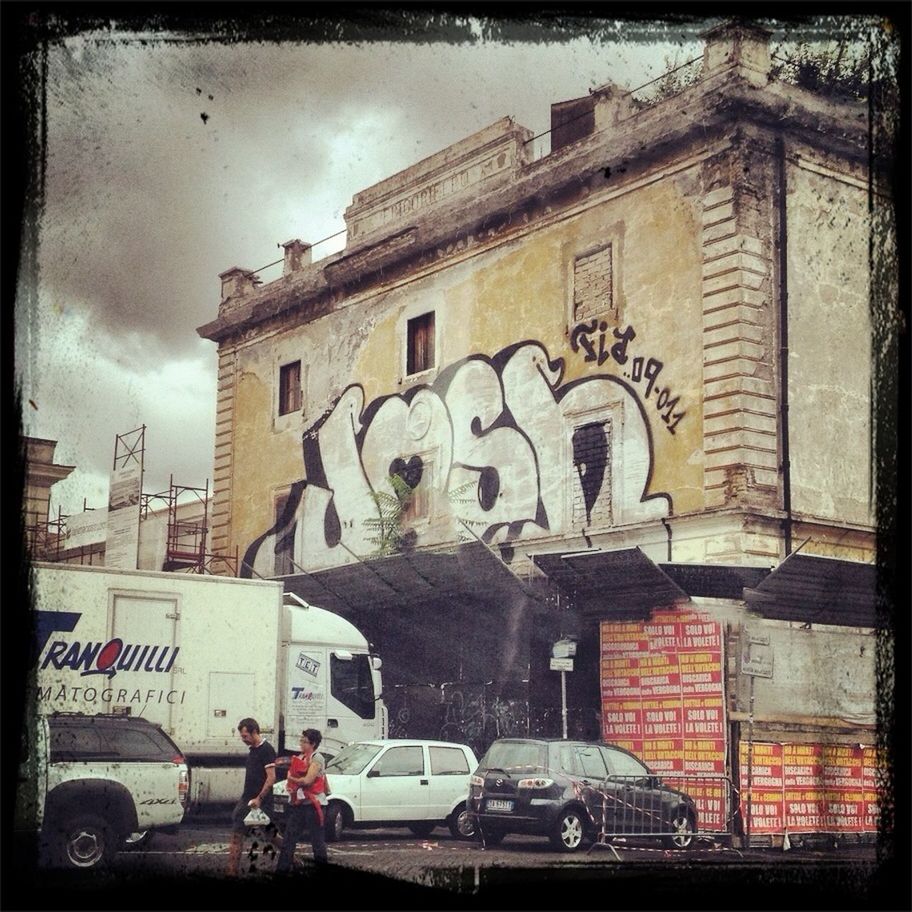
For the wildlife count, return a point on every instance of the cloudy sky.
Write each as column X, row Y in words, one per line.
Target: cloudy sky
column 169, row 160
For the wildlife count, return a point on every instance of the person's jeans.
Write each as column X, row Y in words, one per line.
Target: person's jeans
column 301, row 819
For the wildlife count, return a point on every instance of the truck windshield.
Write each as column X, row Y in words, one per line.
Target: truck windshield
column 352, row 759
column 351, row 683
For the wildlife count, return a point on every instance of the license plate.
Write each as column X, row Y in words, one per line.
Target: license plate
column 499, row 804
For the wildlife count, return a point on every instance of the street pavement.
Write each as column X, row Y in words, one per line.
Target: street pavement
column 375, row 869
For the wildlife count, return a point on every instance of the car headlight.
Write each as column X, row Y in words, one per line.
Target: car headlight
column 476, row 780
column 536, row 783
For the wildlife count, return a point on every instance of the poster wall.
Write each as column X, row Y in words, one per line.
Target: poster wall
column 663, row 698
column 809, row 788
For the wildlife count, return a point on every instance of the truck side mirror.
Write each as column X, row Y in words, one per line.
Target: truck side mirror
column 376, row 663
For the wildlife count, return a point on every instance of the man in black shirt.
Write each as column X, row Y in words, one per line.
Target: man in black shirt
column 258, row 781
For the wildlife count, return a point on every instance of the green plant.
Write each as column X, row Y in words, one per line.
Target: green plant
column 458, row 496
column 389, row 536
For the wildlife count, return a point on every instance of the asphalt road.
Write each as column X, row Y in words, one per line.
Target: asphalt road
column 374, row 869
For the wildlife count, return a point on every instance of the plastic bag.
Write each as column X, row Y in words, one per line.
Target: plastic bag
column 256, row 817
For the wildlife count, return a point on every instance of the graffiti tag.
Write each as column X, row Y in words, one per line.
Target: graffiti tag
column 592, row 339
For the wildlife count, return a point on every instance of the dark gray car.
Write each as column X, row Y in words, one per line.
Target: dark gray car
column 571, row 791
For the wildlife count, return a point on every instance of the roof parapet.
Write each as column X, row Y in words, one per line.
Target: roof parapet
column 738, row 46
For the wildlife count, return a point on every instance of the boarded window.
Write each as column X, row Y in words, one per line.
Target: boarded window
column 593, row 293
column 420, row 356
column 591, row 492
column 290, row 388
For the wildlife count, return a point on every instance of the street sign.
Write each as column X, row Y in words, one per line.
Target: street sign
column 564, row 649
column 757, row 656
column 561, row 664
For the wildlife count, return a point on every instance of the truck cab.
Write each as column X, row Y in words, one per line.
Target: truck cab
column 332, row 681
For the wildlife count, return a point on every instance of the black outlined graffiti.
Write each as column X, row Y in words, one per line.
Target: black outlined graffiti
column 503, row 427
column 641, row 369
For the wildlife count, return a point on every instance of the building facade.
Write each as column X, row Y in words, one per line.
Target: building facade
column 620, row 387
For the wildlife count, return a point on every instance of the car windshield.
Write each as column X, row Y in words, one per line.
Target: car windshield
column 516, row 755
column 352, row 759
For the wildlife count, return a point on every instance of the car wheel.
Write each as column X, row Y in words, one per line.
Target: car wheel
column 461, row 824
column 568, row 831
column 422, row 830
column 490, row 837
column 683, row 829
column 139, row 840
column 86, row 842
column 335, row 822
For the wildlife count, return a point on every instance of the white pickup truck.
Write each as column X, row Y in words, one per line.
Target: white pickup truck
column 93, row 781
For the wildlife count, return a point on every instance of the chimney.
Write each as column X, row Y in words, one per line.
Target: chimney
column 297, row 256
column 738, row 46
column 613, row 104
column 237, row 282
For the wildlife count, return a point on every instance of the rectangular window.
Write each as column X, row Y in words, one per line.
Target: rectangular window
column 420, row 356
column 351, row 683
column 401, row 761
column 590, row 487
column 290, row 388
column 448, row 761
column 593, row 285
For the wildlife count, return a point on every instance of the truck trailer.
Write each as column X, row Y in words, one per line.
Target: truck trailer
column 197, row 654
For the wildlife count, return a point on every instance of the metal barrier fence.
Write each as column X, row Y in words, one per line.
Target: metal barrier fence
column 653, row 806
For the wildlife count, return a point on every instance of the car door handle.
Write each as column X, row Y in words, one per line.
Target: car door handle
column 422, row 782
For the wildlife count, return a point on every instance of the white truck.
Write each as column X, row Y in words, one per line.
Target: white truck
column 197, row 654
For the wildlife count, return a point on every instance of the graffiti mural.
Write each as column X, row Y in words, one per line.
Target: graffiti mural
column 586, row 336
column 536, row 455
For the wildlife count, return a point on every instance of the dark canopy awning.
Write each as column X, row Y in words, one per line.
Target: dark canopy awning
column 818, row 590
column 724, row 581
column 469, row 573
column 611, row 584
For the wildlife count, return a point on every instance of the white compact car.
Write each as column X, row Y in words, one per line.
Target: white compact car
column 397, row 782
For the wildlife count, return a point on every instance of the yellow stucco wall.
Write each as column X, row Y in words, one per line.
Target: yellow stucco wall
column 517, row 291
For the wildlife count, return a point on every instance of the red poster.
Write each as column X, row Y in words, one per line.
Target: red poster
column 663, row 698
column 805, row 811
column 761, row 765
column 659, row 677
column 764, row 808
column 661, row 636
column 711, row 797
column 704, row 755
column 622, row 723
column 664, row 755
column 699, row 635
column 623, row 638
column 802, row 765
column 662, row 718
column 870, row 790
column 703, row 716
column 701, row 672
column 843, row 780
